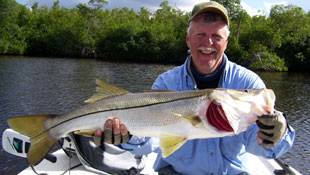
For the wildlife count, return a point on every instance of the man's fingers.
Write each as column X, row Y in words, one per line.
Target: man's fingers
column 268, row 120
column 264, row 142
column 98, row 133
column 124, row 130
column 116, row 126
column 265, row 136
column 114, row 132
column 97, row 140
column 125, row 138
column 271, row 128
column 117, row 139
column 107, row 136
column 261, row 123
column 108, row 124
column 125, row 134
column 260, row 140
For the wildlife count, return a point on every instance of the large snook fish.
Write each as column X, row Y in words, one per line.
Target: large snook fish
column 174, row 117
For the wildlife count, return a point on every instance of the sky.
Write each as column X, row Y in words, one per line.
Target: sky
column 253, row 7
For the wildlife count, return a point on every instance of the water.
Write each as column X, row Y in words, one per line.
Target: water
column 293, row 98
column 50, row 85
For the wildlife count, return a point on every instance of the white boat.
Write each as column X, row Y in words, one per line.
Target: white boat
column 65, row 165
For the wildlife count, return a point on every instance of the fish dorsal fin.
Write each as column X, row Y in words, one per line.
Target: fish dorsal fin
column 170, row 143
column 158, row 90
column 105, row 90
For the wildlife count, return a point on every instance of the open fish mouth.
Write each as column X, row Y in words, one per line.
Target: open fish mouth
column 217, row 117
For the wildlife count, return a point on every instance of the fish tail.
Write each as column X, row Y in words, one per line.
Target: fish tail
column 33, row 127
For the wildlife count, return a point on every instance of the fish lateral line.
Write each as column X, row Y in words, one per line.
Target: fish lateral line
column 117, row 109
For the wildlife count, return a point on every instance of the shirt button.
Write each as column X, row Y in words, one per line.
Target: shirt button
column 211, row 154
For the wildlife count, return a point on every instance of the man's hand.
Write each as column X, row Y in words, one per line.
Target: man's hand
column 114, row 132
column 271, row 128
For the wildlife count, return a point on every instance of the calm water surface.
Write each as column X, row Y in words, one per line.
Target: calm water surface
column 50, row 85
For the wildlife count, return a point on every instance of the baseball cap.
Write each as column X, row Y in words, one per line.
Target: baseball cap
column 211, row 6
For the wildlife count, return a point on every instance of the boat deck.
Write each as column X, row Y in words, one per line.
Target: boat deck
column 67, row 166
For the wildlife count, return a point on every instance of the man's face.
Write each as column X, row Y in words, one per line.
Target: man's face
column 207, row 43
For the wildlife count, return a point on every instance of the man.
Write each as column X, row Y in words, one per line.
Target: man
column 208, row 67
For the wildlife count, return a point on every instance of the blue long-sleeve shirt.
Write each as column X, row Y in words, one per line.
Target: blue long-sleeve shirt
column 224, row 155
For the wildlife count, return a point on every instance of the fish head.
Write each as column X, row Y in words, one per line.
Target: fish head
column 258, row 101
column 234, row 111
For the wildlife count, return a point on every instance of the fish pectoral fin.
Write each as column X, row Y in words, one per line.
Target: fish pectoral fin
column 170, row 143
column 90, row 134
column 105, row 90
column 96, row 139
column 33, row 127
column 193, row 119
column 85, row 133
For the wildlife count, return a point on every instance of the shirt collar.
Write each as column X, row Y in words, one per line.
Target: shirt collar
column 209, row 77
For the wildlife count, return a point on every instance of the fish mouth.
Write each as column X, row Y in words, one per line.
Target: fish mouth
column 206, row 50
column 217, row 118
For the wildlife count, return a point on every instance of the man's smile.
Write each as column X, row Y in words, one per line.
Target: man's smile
column 206, row 50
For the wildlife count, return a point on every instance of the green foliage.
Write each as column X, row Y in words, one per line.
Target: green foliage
column 269, row 62
column 279, row 42
column 144, row 37
column 294, row 29
column 13, row 21
column 234, row 9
